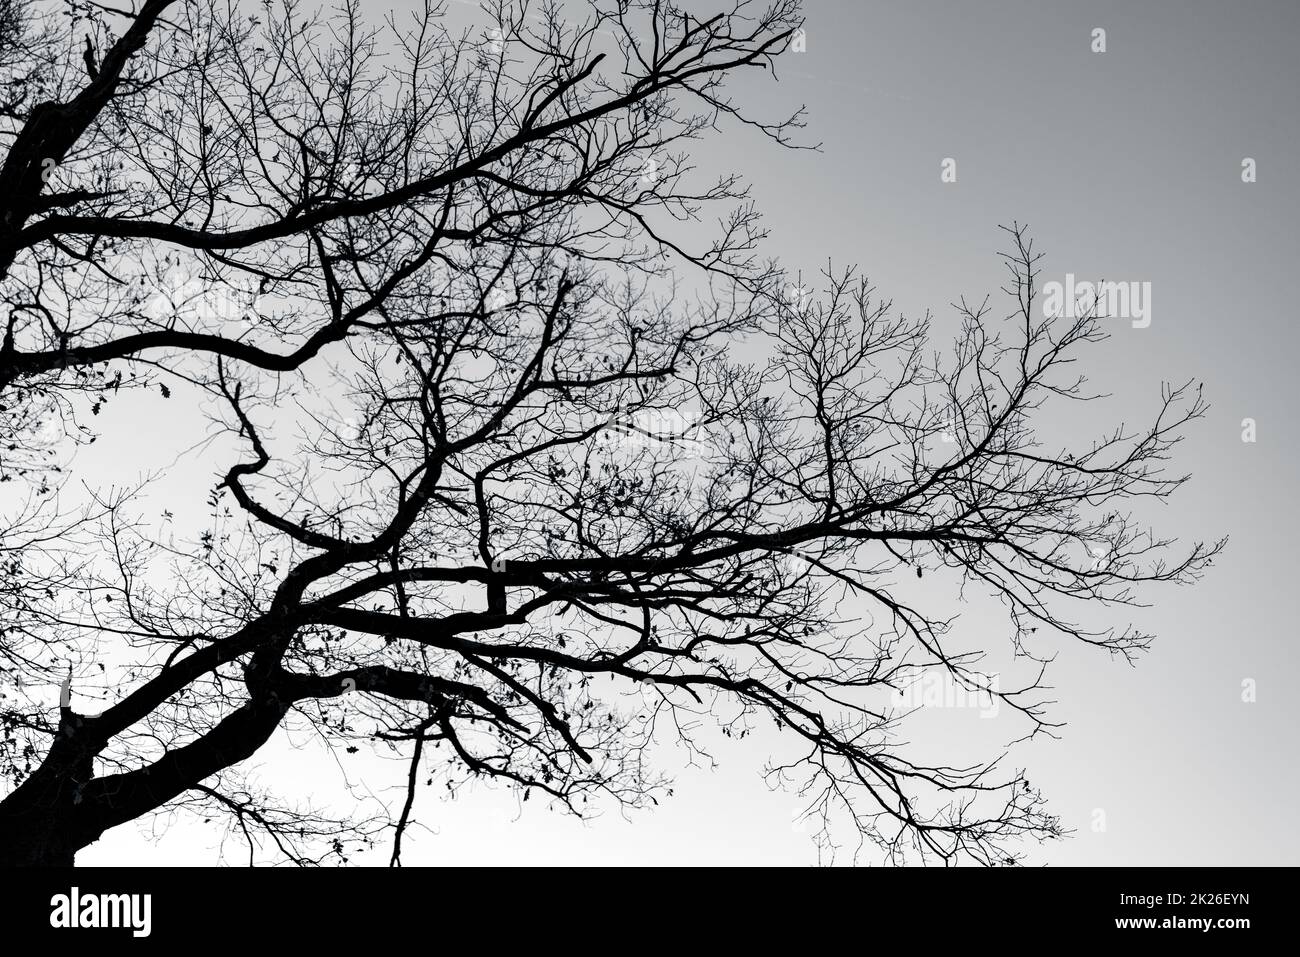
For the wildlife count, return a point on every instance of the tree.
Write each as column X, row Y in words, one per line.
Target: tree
column 510, row 431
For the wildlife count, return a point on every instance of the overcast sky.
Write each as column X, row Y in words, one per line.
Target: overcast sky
column 1127, row 164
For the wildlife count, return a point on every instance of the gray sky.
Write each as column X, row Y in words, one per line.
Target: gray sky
column 1127, row 165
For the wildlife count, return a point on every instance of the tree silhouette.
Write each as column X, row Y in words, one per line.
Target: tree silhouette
column 512, row 433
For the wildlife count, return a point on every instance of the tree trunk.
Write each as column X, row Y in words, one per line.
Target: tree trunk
column 42, row 821
column 36, row 841
column 62, row 807
column 39, row 826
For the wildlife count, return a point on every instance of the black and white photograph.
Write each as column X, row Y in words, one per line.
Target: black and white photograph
column 440, row 436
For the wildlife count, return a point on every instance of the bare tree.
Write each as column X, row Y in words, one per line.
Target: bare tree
column 516, row 434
